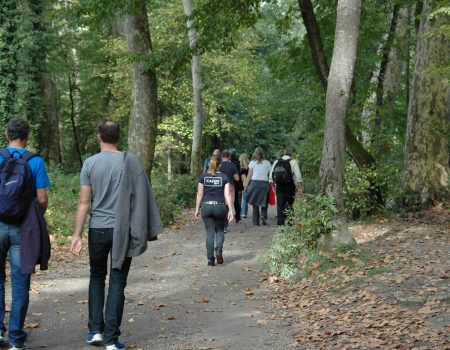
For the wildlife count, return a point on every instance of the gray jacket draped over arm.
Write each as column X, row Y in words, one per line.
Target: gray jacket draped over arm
column 137, row 215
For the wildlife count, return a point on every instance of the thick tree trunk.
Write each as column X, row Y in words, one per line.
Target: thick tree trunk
column 144, row 113
column 196, row 153
column 337, row 102
column 427, row 143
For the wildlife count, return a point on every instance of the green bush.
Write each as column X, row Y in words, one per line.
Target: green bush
column 62, row 204
column 173, row 196
column 311, row 217
column 358, row 190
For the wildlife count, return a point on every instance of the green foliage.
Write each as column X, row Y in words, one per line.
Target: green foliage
column 359, row 188
column 174, row 195
column 62, row 202
column 311, row 218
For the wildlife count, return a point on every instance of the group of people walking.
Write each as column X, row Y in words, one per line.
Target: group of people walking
column 229, row 185
column 117, row 194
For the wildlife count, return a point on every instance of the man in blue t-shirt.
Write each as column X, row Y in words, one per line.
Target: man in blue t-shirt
column 17, row 134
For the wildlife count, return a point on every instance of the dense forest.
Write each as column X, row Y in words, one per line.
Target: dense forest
column 360, row 90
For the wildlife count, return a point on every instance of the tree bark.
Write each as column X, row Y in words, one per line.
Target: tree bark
column 196, row 153
column 427, row 145
column 337, row 102
column 355, row 148
column 49, row 138
column 383, row 64
column 144, row 112
column 72, row 85
column 315, row 41
column 398, row 55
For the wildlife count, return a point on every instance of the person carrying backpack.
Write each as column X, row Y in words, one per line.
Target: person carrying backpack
column 287, row 179
column 23, row 183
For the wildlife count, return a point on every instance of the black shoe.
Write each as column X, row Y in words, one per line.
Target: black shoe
column 264, row 220
column 211, row 263
column 219, row 258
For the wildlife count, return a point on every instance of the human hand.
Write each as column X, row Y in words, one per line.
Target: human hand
column 76, row 245
column 197, row 213
column 230, row 216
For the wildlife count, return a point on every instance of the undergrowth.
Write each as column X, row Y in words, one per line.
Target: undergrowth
column 172, row 196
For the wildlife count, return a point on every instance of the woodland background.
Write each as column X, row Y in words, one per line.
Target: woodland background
column 66, row 64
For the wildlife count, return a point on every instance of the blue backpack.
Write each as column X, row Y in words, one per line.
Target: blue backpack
column 16, row 186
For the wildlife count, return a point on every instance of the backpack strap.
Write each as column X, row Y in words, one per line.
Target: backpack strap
column 5, row 153
column 27, row 155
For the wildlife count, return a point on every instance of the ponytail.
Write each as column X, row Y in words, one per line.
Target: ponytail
column 214, row 165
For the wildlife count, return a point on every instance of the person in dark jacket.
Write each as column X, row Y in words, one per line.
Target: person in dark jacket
column 11, row 240
column 107, row 180
column 238, row 185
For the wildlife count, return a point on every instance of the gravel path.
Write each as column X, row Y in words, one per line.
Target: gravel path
column 174, row 301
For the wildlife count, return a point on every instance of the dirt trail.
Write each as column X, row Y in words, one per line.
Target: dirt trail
column 174, row 301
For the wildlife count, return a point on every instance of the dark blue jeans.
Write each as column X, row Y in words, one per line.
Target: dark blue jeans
column 214, row 216
column 20, row 284
column 100, row 244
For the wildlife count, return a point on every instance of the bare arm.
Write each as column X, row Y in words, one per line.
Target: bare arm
column 84, row 204
column 229, row 202
column 249, row 177
column 200, row 189
column 42, row 198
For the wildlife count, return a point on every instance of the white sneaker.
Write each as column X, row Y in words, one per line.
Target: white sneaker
column 94, row 338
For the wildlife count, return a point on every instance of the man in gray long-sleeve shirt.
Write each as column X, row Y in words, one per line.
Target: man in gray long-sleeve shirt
column 100, row 188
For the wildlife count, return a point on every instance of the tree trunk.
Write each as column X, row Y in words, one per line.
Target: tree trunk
column 315, row 41
column 49, row 132
column 398, row 55
column 72, row 85
column 383, row 66
column 359, row 154
column 427, row 154
column 144, row 112
column 196, row 154
column 337, row 102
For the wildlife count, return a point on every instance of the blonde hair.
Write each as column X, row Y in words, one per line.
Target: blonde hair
column 243, row 160
column 258, row 155
column 214, row 164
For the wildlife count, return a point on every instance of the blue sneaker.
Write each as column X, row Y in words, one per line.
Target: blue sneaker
column 94, row 338
column 116, row 346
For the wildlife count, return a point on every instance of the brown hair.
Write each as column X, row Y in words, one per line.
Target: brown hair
column 214, row 164
column 258, row 155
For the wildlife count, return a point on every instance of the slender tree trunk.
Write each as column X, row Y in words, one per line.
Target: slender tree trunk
column 398, row 55
column 427, row 144
column 337, row 102
column 72, row 85
column 49, row 131
column 383, row 65
column 144, row 113
column 315, row 40
column 196, row 154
